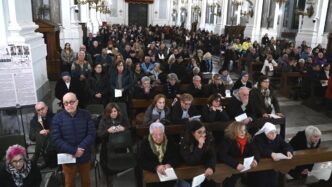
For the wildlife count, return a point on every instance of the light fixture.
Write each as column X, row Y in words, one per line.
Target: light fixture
column 309, row 11
column 237, row 2
column 102, row 7
column 281, row 1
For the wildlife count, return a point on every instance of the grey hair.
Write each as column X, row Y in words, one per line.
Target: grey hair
column 172, row 76
column 156, row 125
column 196, row 77
column 196, row 70
column 157, row 63
column 312, row 130
column 145, row 78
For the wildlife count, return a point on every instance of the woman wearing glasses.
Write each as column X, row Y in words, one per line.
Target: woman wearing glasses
column 214, row 111
column 197, row 147
column 18, row 171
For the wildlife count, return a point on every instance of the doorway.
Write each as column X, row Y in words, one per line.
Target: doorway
column 138, row 14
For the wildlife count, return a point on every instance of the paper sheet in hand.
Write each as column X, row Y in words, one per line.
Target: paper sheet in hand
column 198, row 180
column 274, row 116
column 65, row 158
column 247, row 162
column 228, row 93
column 325, row 83
column 281, row 156
column 170, row 175
column 196, row 117
column 117, row 93
column 241, row 117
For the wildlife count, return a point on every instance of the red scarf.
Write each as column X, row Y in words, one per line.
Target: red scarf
column 242, row 142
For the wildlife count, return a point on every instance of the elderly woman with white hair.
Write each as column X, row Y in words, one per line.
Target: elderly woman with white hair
column 146, row 91
column 157, row 153
column 18, row 171
column 270, row 145
column 172, row 87
column 309, row 138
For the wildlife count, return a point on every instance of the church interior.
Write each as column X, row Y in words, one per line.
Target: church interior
column 129, row 53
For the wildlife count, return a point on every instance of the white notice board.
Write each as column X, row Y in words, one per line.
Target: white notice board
column 17, row 84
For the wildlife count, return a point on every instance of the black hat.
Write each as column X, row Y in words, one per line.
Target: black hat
column 65, row 73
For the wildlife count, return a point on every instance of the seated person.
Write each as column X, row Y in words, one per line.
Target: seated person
column 158, row 153
column 239, row 105
column 197, row 147
column 213, row 110
column 263, row 100
column 242, row 81
column 310, row 138
column 18, row 169
column 111, row 125
column 269, row 143
column 146, row 91
column 66, row 84
column 196, row 88
column 156, row 75
column 98, row 86
column 183, row 111
column 40, row 126
column 157, row 111
column 226, row 78
column 172, row 88
column 216, row 86
column 237, row 145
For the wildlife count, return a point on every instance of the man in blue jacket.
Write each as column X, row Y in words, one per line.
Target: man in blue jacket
column 73, row 132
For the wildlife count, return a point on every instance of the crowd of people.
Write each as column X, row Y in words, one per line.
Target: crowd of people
column 122, row 63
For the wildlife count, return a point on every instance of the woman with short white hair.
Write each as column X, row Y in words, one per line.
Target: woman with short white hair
column 309, row 138
column 158, row 153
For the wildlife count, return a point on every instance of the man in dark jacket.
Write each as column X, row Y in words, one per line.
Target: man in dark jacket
column 73, row 132
column 239, row 105
column 40, row 126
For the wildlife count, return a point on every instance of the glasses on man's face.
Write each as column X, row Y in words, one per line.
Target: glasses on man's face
column 40, row 109
column 66, row 103
column 16, row 162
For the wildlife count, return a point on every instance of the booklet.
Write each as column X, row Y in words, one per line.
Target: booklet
column 198, row 180
column 65, row 158
column 170, row 175
column 274, row 116
column 247, row 163
column 241, row 117
column 228, row 93
column 117, row 93
column 281, row 156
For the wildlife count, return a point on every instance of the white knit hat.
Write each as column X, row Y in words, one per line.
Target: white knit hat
column 268, row 127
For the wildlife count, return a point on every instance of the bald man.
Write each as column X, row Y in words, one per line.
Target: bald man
column 40, row 126
column 73, row 132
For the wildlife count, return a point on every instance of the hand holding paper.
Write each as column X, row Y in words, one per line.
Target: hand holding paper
column 198, row 180
column 65, row 158
column 169, row 175
column 117, row 93
column 247, row 163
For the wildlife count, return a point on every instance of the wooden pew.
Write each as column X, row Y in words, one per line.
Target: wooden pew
column 223, row 171
column 172, row 129
column 285, row 84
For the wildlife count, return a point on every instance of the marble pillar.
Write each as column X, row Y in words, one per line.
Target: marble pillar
column 253, row 27
column 18, row 28
column 203, row 14
column 70, row 30
column 312, row 29
column 188, row 22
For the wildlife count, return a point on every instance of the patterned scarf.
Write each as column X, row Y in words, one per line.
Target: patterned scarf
column 19, row 175
column 158, row 150
column 267, row 98
column 157, row 114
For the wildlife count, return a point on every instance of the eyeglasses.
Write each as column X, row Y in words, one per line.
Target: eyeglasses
column 15, row 162
column 40, row 109
column 66, row 103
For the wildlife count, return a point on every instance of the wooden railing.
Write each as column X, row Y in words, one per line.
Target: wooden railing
column 223, row 171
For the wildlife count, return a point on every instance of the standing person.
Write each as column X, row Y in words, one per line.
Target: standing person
column 67, row 57
column 269, row 143
column 73, row 132
column 66, row 84
column 309, row 138
column 40, row 126
column 158, row 153
column 18, row 171
column 98, row 86
column 197, row 147
column 120, row 79
column 234, row 148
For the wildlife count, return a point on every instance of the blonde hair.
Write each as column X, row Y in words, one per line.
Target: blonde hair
column 207, row 56
column 232, row 130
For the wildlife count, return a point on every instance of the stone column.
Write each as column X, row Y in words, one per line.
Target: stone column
column 70, row 30
column 222, row 20
column 55, row 11
column 188, row 22
column 253, row 27
column 178, row 9
column 203, row 14
column 94, row 21
column 312, row 29
column 17, row 27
